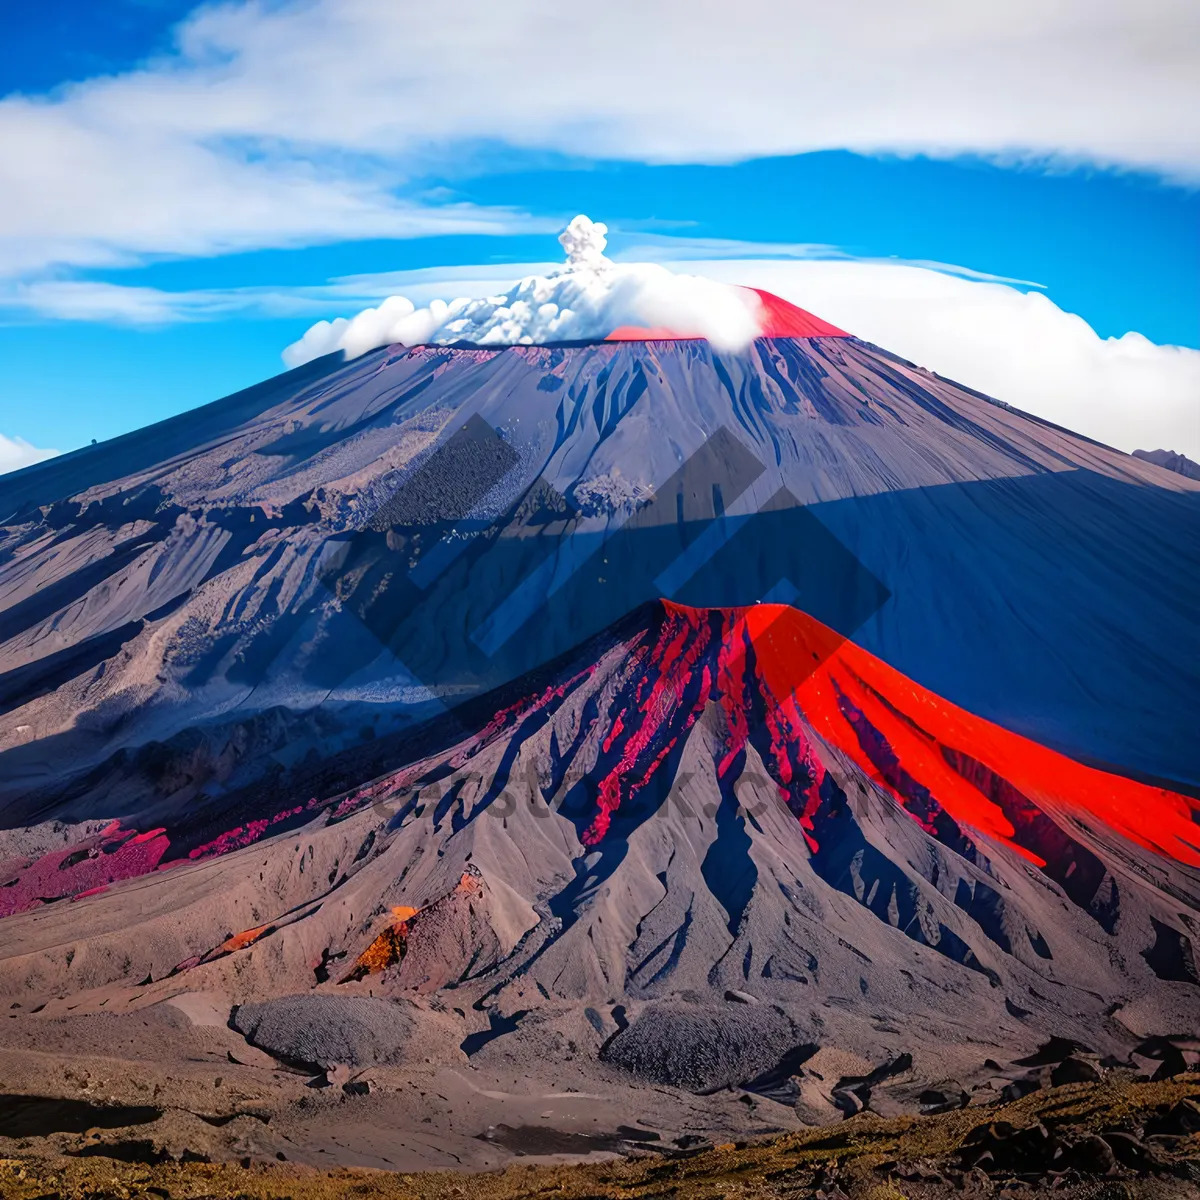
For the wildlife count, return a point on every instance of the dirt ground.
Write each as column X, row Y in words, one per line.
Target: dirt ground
column 1108, row 1140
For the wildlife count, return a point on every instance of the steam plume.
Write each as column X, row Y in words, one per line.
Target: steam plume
column 583, row 300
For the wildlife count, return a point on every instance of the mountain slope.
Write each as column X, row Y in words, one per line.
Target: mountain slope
column 1034, row 577
column 695, row 804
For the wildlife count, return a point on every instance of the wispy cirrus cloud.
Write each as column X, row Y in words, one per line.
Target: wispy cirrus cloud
column 124, row 304
column 295, row 123
column 127, row 304
column 681, row 248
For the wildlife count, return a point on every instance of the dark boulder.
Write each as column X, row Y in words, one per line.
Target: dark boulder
column 1074, row 1070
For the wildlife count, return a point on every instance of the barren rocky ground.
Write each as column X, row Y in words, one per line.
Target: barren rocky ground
column 1102, row 1141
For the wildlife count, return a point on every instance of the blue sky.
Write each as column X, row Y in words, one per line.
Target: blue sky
column 186, row 193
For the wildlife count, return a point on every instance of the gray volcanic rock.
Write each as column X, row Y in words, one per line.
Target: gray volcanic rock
column 701, row 1048
column 319, row 1031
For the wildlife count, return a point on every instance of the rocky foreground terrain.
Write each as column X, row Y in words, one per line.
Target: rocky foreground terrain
column 1100, row 1140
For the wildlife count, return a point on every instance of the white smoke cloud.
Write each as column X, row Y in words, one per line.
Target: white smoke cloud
column 585, row 299
column 16, row 453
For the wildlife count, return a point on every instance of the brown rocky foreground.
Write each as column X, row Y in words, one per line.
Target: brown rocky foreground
column 1111, row 1139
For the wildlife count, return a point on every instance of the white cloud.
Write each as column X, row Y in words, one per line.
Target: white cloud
column 96, row 177
column 666, row 248
column 687, row 79
column 17, row 452
column 123, row 304
column 120, row 304
column 285, row 123
column 585, row 298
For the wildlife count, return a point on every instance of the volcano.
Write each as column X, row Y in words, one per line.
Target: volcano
column 790, row 719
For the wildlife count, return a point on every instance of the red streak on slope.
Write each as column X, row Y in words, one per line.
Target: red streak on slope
column 85, row 868
column 658, row 731
column 777, row 670
column 649, row 333
column 782, row 680
column 781, row 319
column 917, row 725
column 514, row 713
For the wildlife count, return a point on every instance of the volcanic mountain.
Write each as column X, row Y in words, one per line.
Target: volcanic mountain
column 628, row 709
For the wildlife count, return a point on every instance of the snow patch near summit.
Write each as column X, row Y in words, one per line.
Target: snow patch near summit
column 585, row 299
